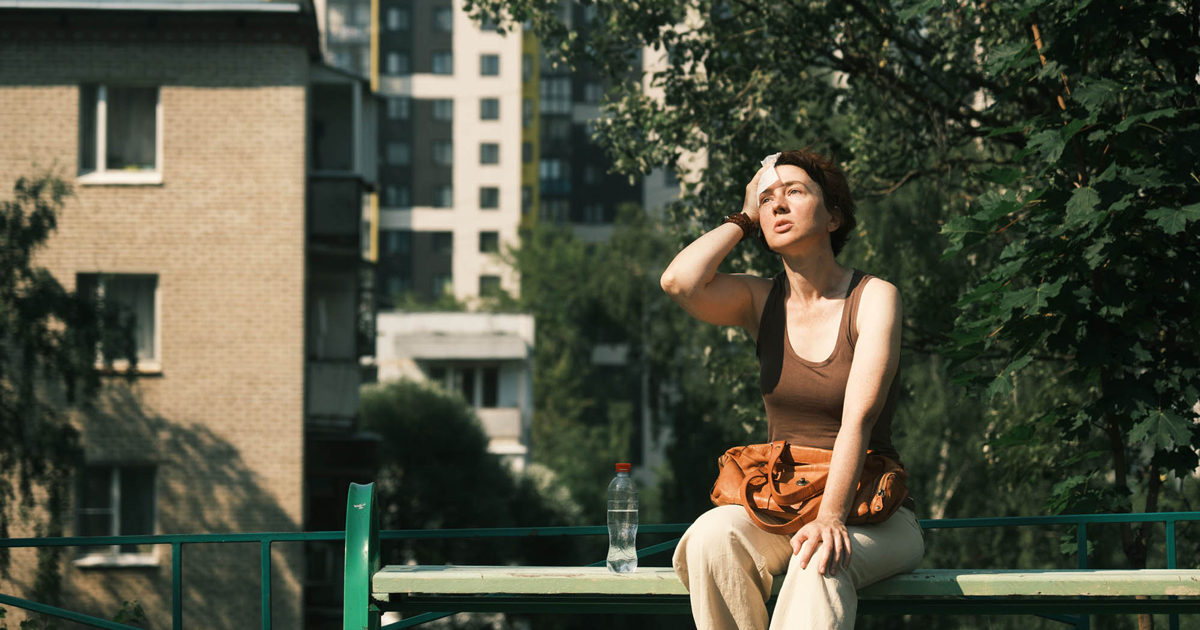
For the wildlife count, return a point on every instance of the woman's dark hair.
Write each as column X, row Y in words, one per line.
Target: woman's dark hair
column 834, row 190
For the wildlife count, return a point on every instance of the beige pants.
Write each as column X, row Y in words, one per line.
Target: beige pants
column 729, row 566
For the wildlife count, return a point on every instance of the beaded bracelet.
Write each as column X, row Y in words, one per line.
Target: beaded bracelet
column 742, row 220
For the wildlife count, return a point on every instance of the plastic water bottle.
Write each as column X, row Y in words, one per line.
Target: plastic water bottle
column 622, row 522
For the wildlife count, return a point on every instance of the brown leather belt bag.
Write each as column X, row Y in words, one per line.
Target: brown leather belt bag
column 787, row 482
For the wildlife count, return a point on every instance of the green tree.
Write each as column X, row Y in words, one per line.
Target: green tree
column 1054, row 145
column 49, row 338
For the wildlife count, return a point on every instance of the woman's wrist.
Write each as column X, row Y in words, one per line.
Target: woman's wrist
column 743, row 221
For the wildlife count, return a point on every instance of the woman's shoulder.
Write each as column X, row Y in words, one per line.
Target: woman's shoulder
column 877, row 296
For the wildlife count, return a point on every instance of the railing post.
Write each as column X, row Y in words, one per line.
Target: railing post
column 362, row 559
column 1085, row 621
column 265, row 560
column 177, row 586
column 1173, row 618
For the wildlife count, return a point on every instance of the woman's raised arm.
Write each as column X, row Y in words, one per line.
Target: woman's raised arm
column 717, row 298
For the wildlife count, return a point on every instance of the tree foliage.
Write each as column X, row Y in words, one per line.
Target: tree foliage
column 1054, row 147
column 49, row 338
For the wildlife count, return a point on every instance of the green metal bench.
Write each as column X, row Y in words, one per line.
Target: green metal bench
column 371, row 589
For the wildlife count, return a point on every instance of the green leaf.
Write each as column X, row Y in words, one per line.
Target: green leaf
column 1032, row 299
column 917, row 9
column 1174, row 221
column 1003, row 57
column 1049, row 143
column 1162, row 428
column 961, row 231
column 1082, row 205
column 1002, row 176
column 1095, row 95
column 1002, row 384
column 1145, row 117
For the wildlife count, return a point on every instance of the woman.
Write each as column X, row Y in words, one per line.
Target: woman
column 828, row 340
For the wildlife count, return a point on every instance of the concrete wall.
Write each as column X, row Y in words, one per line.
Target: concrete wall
column 224, row 233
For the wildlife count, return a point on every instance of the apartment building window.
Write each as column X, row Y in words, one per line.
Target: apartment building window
column 487, row 26
column 443, row 19
column 116, row 500
column 443, row 62
column 553, row 170
column 593, row 213
column 527, row 67
column 526, row 199
column 489, row 242
column 556, row 210
column 526, row 152
column 489, row 287
column 133, row 298
column 396, row 197
column 555, row 95
column 443, row 109
column 489, row 197
column 442, row 242
column 443, row 284
column 399, row 153
column 591, row 174
column 120, row 133
column 443, row 196
column 489, row 65
column 527, row 112
column 443, row 153
column 489, row 109
column 479, row 385
column 398, row 19
column 593, row 92
column 398, row 62
column 399, row 107
column 489, row 153
column 557, row 130
column 397, row 242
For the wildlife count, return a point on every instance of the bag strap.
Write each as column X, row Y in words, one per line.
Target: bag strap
column 790, row 527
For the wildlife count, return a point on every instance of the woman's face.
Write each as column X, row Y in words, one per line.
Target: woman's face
column 793, row 210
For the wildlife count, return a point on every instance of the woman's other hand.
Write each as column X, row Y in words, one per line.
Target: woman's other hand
column 750, row 205
column 828, row 535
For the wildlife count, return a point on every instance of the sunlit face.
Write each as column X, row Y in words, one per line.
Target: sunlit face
column 793, row 210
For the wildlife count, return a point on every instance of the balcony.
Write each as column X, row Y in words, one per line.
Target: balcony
column 335, row 212
column 331, row 394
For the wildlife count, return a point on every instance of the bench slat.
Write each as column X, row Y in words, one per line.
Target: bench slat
column 475, row 580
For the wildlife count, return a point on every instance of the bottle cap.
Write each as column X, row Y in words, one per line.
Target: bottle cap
column 623, row 467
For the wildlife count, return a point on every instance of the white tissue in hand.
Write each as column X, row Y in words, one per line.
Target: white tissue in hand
column 769, row 177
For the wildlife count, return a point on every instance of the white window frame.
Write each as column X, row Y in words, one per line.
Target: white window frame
column 103, row 176
column 115, row 557
column 144, row 366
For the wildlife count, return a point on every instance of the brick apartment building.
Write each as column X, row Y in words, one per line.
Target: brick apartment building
column 220, row 175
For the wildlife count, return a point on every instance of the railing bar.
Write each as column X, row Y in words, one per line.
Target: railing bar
column 177, row 586
column 1171, row 560
column 62, row 613
column 586, row 530
column 265, row 561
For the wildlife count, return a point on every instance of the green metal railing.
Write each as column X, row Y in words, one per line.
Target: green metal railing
column 266, row 539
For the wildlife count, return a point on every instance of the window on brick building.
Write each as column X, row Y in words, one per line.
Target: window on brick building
column 442, row 284
column 442, row 242
column 398, row 62
column 120, row 133
column 116, row 500
column 132, row 299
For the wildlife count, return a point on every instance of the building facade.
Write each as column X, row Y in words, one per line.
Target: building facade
column 219, row 174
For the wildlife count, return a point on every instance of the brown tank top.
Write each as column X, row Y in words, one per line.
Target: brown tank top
column 804, row 398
